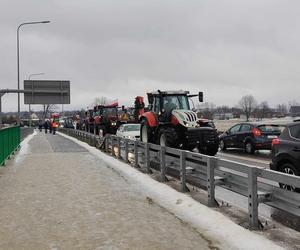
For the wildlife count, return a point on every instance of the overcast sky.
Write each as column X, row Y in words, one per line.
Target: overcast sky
column 125, row 48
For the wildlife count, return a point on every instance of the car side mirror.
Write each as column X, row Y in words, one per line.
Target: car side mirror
column 200, row 96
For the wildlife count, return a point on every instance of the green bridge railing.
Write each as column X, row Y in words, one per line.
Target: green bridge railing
column 9, row 142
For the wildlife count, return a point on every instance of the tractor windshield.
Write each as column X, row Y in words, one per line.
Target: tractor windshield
column 109, row 112
column 176, row 101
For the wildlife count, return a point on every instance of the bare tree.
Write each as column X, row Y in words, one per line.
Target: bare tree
column 48, row 109
column 248, row 104
column 206, row 110
column 262, row 110
column 282, row 109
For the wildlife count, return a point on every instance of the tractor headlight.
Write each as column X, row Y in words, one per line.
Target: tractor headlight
column 186, row 124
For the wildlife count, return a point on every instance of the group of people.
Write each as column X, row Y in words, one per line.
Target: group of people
column 48, row 125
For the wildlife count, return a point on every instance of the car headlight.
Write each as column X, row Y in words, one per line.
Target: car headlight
column 113, row 123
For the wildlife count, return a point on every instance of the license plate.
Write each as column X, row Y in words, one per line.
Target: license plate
column 272, row 136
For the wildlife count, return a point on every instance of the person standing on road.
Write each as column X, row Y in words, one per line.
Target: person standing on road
column 46, row 126
column 50, row 122
column 40, row 125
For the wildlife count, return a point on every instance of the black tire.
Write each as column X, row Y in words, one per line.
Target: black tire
column 249, row 147
column 145, row 132
column 222, row 145
column 209, row 150
column 289, row 168
column 167, row 136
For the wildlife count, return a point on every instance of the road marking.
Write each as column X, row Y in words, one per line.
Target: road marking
column 244, row 158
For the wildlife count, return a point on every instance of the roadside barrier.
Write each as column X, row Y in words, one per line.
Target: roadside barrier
column 9, row 142
column 259, row 185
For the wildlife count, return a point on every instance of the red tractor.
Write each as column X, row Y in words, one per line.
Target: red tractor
column 170, row 122
column 106, row 119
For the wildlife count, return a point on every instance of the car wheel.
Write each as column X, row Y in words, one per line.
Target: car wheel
column 249, row 148
column 289, row 168
column 222, row 145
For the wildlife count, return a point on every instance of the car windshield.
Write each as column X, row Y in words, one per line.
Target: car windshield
column 133, row 127
column 271, row 128
column 177, row 101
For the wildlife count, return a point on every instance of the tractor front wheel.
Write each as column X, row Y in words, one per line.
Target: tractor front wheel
column 145, row 132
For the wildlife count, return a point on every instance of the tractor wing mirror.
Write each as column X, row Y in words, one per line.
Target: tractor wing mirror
column 200, row 96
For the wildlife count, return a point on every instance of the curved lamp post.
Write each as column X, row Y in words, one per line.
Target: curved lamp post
column 18, row 60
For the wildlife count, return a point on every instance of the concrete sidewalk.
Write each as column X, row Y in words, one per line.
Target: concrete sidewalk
column 56, row 195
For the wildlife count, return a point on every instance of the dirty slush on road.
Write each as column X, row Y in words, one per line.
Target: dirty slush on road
column 56, row 195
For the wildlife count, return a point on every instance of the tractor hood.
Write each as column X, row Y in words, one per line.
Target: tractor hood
column 186, row 118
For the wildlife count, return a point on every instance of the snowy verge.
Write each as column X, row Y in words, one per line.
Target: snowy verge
column 210, row 223
column 24, row 148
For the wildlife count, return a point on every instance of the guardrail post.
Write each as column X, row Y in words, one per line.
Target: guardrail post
column 119, row 147
column 253, row 198
column 136, row 155
column 106, row 144
column 184, row 188
column 211, row 164
column 162, row 155
column 112, row 146
column 126, row 150
column 147, row 158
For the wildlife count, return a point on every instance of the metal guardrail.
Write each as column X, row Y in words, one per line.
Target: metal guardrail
column 257, row 184
column 9, row 142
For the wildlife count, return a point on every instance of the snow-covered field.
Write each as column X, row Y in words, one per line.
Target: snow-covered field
column 223, row 125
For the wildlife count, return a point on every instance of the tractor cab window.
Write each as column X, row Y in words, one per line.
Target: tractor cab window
column 175, row 102
column 96, row 113
column 155, row 107
column 109, row 112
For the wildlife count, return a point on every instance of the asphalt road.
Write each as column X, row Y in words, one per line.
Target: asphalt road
column 261, row 158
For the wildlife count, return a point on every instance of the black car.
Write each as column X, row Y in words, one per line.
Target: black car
column 250, row 136
column 286, row 152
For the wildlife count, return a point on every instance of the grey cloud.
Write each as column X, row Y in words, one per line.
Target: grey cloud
column 124, row 48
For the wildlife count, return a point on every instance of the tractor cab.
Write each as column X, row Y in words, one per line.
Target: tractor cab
column 163, row 103
column 106, row 118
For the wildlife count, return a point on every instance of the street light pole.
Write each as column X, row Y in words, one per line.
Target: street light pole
column 18, row 59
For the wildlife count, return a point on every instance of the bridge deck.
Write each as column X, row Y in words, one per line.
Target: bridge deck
column 56, row 195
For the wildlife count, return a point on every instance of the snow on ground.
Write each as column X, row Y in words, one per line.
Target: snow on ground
column 212, row 223
column 223, row 125
column 24, row 148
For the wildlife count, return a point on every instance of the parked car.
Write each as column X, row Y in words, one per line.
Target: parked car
column 286, row 153
column 250, row 136
column 130, row 131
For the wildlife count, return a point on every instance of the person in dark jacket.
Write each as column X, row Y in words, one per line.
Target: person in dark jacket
column 46, row 126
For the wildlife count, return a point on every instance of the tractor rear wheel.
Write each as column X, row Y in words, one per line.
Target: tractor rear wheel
column 167, row 137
